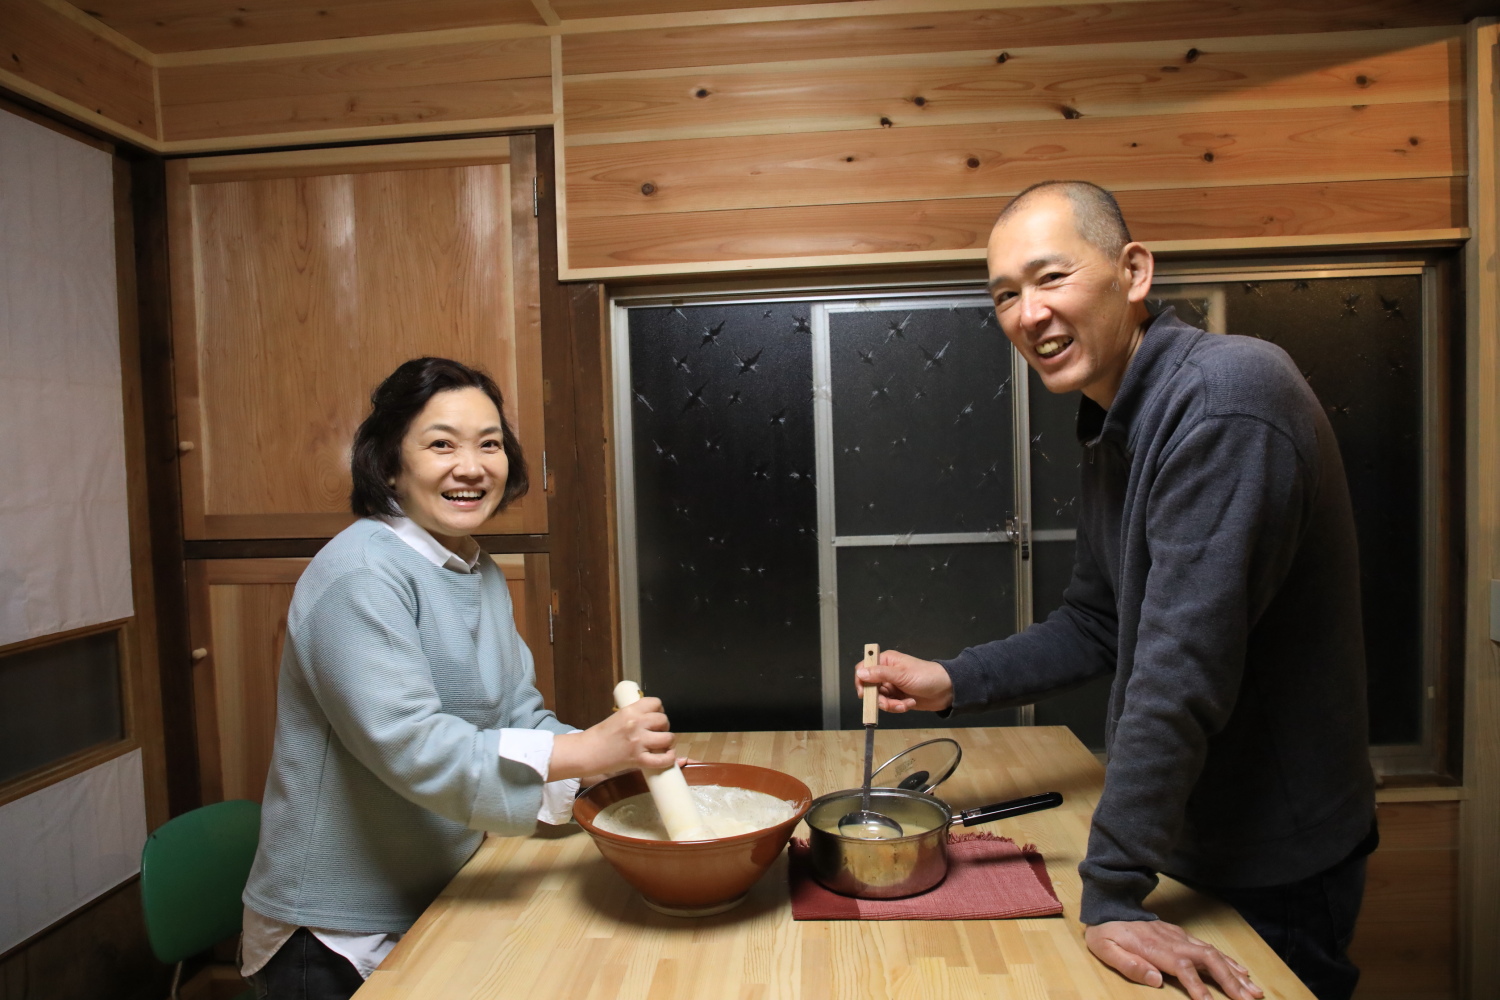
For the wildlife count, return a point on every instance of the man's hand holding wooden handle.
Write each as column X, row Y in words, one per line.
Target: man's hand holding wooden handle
column 906, row 683
column 1143, row 950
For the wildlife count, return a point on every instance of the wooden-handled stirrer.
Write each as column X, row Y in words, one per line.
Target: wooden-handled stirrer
column 867, row 824
column 669, row 789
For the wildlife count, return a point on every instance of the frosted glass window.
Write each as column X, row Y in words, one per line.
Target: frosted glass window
column 810, row 476
column 725, row 515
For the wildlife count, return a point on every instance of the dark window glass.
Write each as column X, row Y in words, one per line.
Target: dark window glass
column 923, row 439
column 922, row 421
column 1358, row 342
column 57, row 700
column 1055, row 458
column 726, row 515
column 927, row 600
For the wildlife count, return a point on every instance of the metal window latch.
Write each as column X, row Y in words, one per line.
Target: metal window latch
column 1019, row 532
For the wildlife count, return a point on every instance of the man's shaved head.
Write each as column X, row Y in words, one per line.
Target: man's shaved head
column 1096, row 214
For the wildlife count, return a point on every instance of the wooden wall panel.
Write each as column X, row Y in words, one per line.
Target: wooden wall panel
column 893, row 165
column 1405, row 944
column 297, row 294
column 962, row 225
column 176, row 25
column 239, row 611
column 998, row 30
column 508, row 79
column 249, row 630
column 43, row 53
column 766, row 142
column 1136, row 80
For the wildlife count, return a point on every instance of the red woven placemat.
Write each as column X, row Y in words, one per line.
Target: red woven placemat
column 989, row 878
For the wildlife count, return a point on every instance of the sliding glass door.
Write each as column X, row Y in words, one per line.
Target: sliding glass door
column 806, row 476
column 800, row 474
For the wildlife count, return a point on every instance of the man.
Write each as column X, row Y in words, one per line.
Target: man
column 1216, row 576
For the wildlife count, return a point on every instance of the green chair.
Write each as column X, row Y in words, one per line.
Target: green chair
column 193, row 870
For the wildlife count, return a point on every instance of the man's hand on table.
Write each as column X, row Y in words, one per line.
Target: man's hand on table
column 907, row 683
column 1142, row 950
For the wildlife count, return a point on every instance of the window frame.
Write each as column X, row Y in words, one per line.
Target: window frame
column 1432, row 760
column 69, row 765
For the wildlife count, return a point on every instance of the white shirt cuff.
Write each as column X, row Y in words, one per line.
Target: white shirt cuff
column 533, row 747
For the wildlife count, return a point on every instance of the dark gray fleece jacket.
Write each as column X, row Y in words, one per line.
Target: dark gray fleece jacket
column 1216, row 575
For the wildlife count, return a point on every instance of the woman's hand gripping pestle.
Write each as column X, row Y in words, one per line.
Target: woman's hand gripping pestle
column 669, row 789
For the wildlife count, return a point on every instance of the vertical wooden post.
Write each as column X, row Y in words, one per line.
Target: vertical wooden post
column 1479, row 845
column 581, row 541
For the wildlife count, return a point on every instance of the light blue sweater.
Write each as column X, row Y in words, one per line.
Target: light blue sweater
column 396, row 678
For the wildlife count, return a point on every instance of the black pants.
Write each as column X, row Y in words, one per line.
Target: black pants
column 306, row 969
column 1309, row 923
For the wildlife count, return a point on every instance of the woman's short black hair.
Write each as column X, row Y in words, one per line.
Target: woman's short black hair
column 376, row 457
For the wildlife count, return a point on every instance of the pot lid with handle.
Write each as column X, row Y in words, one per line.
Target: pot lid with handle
column 920, row 768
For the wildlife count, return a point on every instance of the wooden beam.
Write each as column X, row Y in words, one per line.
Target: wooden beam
column 349, row 159
column 1480, row 847
column 53, row 59
column 392, row 87
column 143, row 676
column 104, row 31
column 1048, row 84
column 172, row 26
column 918, row 163
column 546, row 13
column 960, row 224
column 998, row 28
column 153, row 298
column 576, row 374
column 356, row 134
column 874, row 262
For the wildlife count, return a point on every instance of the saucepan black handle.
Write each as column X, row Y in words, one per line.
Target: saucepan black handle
column 1015, row 807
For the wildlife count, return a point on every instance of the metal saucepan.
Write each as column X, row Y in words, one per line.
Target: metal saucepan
column 899, row 866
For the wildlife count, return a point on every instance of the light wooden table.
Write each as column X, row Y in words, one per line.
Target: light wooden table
column 545, row 916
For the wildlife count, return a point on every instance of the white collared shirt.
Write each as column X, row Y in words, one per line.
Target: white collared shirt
column 263, row 936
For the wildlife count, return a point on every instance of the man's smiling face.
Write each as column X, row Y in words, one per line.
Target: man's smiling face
column 1073, row 313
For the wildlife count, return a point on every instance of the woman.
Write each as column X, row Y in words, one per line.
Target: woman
column 407, row 718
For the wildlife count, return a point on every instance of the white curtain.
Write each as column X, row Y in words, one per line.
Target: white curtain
column 64, row 543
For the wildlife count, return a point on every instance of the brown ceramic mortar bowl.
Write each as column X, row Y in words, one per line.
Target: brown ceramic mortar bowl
column 694, row 878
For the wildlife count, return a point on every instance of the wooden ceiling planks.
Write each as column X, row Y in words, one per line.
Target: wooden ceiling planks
column 853, row 119
column 996, row 30
column 44, row 53
column 187, row 25
column 462, row 82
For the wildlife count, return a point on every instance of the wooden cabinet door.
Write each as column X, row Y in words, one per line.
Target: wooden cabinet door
column 301, row 279
column 238, row 611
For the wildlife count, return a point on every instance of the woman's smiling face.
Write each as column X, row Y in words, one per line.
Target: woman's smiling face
column 453, row 465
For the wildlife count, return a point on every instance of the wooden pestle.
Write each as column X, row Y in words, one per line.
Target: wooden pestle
column 669, row 789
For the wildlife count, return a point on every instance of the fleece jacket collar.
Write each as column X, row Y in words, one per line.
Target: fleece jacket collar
column 1162, row 349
